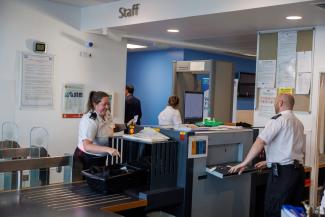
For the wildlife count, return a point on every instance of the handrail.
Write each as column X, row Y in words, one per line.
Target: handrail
column 36, row 163
column 17, row 152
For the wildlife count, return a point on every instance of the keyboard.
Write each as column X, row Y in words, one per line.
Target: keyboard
column 222, row 170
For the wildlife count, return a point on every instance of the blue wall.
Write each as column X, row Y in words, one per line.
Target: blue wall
column 151, row 74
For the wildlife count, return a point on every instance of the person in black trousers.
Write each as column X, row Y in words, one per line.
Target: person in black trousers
column 95, row 129
column 284, row 143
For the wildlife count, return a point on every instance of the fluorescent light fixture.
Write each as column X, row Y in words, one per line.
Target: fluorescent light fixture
column 294, row 17
column 135, row 46
column 173, row 30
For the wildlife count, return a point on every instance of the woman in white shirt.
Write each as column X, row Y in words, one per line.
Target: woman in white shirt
column 95, row 128
column 170, row 115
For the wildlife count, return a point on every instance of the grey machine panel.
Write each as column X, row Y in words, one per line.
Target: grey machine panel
column 224, row 197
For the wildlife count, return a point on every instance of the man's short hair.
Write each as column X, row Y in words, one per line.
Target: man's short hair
column 129, row 88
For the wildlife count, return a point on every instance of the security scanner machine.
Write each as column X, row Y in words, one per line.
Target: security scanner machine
column 178, row 176
column 146, row 170
column 214, row 79
column 142, row 180
column 204, row 159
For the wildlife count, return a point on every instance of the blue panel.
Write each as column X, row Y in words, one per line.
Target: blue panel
column 151, row 74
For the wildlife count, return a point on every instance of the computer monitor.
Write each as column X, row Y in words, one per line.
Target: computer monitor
column 193, row 106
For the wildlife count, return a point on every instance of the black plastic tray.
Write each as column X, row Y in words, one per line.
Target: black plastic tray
column 115, row 178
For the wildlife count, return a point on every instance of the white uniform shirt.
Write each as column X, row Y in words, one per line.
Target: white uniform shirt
column 95, row 129
column 169, row 116
column 284, row 138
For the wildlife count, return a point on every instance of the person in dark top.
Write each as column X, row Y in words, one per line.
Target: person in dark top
column 132, row 105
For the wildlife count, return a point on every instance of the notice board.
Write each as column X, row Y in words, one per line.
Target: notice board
column 268, row 50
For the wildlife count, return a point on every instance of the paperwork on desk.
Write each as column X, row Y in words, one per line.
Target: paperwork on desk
column 147, row 135
column 193, row 128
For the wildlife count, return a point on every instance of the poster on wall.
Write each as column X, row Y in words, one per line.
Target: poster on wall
column 303, row 83
column 266, row 102
column 73, row 100
column 266, row 73
column 285, row 90
column 304, row 72
column 304, row 61
column 36, row 81
column 286, row 61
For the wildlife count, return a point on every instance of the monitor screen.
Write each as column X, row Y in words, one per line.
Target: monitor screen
column 246, row 85
column 193, row 106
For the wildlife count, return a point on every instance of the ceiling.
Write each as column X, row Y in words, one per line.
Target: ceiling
column 235, row 32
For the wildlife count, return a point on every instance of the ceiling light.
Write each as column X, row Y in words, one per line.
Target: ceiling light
column 172, row 30
column 135, row 46
column 293, row 17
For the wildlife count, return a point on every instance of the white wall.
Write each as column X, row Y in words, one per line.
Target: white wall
column 21, row 22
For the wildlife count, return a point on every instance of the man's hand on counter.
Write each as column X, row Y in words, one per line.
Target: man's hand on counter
column 239, row 167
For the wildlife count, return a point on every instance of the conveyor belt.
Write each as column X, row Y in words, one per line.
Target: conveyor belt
column 69, row 197
column 65, row 200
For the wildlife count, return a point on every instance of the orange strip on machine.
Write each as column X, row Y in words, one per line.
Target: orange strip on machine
column 193, row 147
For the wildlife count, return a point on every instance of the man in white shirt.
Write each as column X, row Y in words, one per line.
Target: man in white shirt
column 283, row 140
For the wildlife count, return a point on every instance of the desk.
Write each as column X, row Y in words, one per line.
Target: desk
column 321, row 163
column 64, row 200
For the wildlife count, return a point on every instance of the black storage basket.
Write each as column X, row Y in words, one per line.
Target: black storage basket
column 115, row 178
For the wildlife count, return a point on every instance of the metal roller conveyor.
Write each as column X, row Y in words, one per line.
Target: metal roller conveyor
column 66, row 200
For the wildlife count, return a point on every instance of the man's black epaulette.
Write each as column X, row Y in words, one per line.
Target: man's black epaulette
column 93, row 115
column 276, row 116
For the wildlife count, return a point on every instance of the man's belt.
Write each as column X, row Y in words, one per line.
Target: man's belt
column 275, row 167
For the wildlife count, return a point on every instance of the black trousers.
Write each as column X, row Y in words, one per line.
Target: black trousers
column 287, row 188
column 83, row 161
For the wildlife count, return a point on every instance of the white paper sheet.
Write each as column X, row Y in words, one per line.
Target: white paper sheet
column 266, row 73
column 304, row 61
column 266, row 102
column 73, row 99
column 37, row 81
column 286, row 61
column 303, row 83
